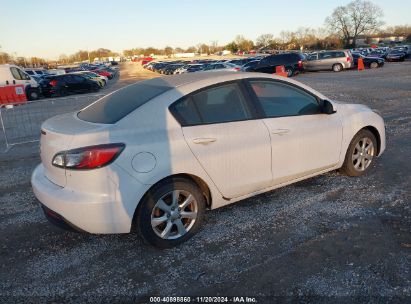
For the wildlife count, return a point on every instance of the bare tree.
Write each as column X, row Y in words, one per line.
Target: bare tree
column 264, row 40
column 359, row 17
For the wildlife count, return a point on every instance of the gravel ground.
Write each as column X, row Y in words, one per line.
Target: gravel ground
column 327, row 239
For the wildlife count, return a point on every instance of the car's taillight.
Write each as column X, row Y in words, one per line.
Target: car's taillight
column 348, row 59
column 53, row 83
column 237, row 69
column 300, row 63
column 91, row 157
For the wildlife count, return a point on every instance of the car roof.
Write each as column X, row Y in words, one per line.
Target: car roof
column 206, row 79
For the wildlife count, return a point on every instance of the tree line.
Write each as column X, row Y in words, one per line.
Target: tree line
column 341, row 30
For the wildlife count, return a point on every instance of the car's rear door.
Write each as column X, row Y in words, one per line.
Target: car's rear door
column 233, row 147
column 303, row 139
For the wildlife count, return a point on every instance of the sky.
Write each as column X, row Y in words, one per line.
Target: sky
column 47, row 29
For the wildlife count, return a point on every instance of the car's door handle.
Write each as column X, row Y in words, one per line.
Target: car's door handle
column 280, row 132
column 204, row 141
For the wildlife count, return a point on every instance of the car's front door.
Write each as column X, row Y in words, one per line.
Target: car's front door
column 303, row 139
column 231, row 145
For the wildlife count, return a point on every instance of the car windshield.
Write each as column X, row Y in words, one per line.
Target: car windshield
column 113, row 107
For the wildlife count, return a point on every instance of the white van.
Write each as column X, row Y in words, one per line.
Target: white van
column 12, row 75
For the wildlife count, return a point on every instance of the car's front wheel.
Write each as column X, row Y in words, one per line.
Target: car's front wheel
column 170, row 213
column 360, row 154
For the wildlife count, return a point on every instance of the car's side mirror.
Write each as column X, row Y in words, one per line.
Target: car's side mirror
column 327, row 107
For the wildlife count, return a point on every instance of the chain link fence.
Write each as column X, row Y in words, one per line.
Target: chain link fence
column 21, row 124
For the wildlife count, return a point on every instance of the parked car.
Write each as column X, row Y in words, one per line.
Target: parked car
column 146, row 60
column 396, row 55
column 293, row 63
column 62, row 85
column 12, row 75
column 404, row 48
column 156, row 154
column 369, row 62
column 378, row 54
column 171, row 68
column 249, row 65
column 101, row 80
column 34, row 72
column 189, row 68
column 329, row 61
column 103, row 72
column 223, row 66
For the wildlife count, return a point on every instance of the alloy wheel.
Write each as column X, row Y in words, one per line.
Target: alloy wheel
column 174, row 214
column 363, row 154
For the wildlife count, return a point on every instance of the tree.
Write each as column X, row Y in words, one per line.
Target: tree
column 244, row 44
column 232, row 47
column 191, row 49
column 4, row 58
column 168, row 50
column 360, row 17
column 264, row 40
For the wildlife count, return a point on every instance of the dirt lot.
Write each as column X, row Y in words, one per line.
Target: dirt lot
column 327, row 239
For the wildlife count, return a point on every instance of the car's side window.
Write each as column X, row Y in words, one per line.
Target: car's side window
column 220, row 104
column 23, row 75
column 15, row 72
column 186, row 112
column 279, row 99
column 325, row 55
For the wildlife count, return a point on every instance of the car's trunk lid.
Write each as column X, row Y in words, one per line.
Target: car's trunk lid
column 57, row 135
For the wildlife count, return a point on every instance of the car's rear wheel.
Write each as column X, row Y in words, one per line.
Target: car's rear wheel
column 289, row 71
column 374, row 65
column 337, row 67
column 360, row 154
column 170, row 213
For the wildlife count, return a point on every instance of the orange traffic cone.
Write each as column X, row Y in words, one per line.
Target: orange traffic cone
column 360, row 64
column 280, row 71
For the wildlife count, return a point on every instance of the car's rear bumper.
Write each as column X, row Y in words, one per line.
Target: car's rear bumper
column 90, row 212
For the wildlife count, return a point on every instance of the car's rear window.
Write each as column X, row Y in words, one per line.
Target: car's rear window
column 113, row 107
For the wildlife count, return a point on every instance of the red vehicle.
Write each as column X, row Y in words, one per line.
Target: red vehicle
column 103, row 73
column 146, row 60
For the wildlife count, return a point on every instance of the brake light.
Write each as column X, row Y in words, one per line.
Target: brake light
column 53, row 83
column 237, row 69
column 88, row 157
column 348, row 59
column 300, row 63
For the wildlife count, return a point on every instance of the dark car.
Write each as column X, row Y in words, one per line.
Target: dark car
column 293, row 63
column 158, row 66
column 250, row 65
column 62, row 85
column 170, row 69
column 378, row 54
column 396, row 55
column 369, row 62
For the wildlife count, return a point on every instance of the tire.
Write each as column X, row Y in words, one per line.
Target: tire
column 373, row 65
column 289, row 71
column 168, row 216
column 33, row 94
column 337, row 67
column 360, row 154
column 95, row 88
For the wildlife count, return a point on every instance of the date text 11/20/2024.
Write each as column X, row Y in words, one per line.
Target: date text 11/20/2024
column 203, row 300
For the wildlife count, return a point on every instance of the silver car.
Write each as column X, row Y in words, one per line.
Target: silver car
column 329, row 60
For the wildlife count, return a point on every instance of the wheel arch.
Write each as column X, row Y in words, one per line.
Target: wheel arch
column 377, row 135
column 201, row 184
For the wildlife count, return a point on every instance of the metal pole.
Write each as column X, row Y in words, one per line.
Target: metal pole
column 4, row 130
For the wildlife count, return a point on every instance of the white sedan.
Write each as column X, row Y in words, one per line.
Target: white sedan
column 156, row 154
